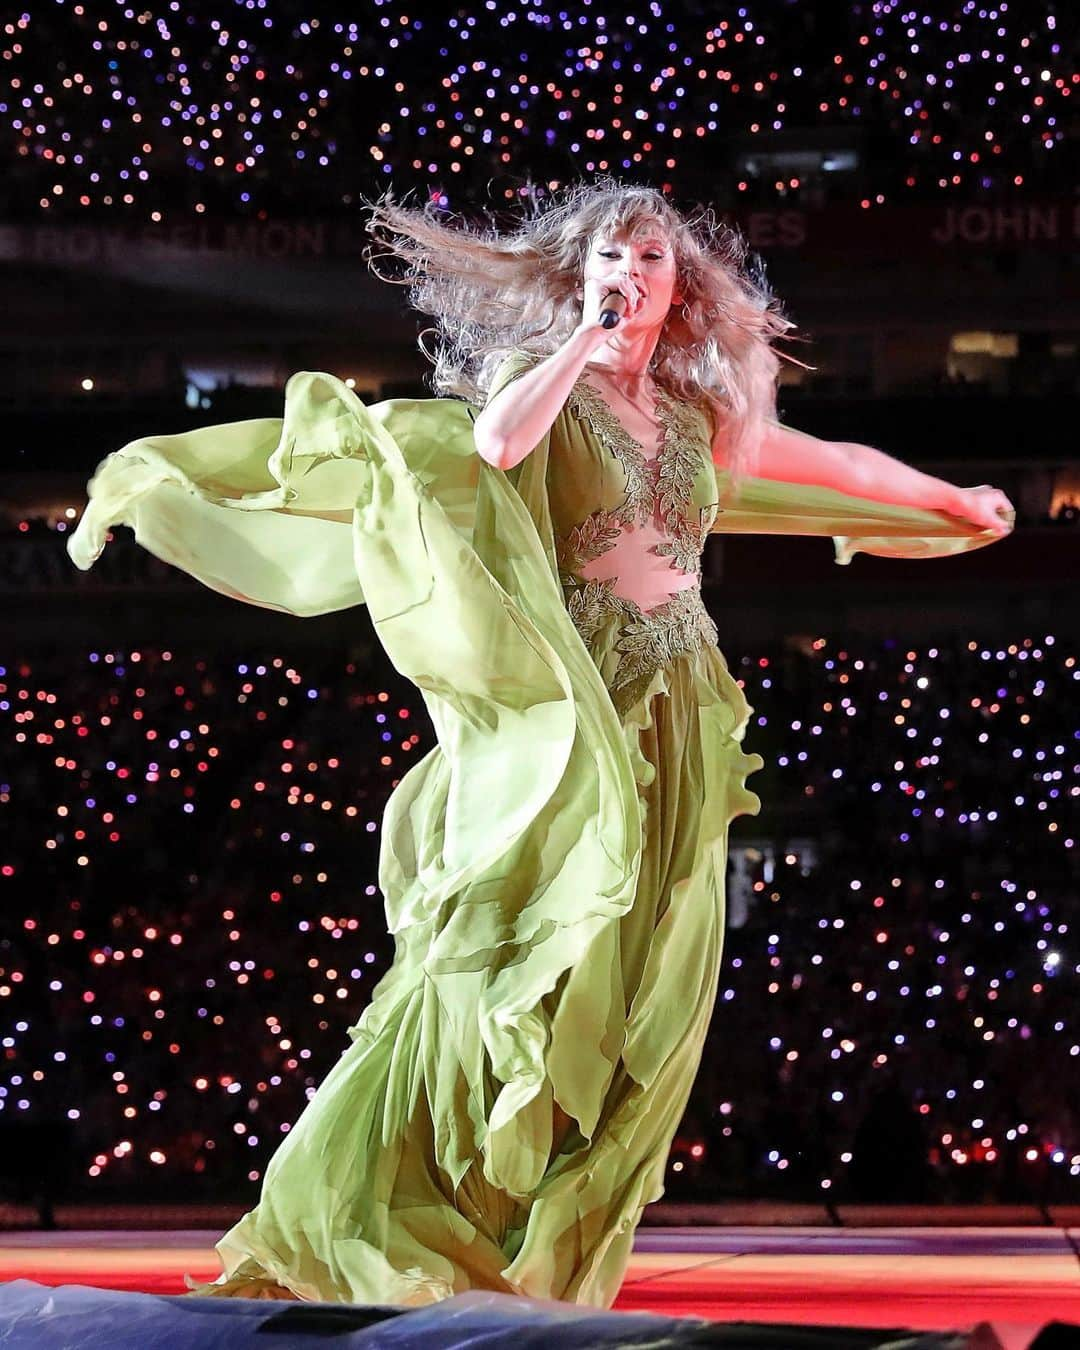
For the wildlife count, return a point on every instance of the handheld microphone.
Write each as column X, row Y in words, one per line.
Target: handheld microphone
column 614, row 307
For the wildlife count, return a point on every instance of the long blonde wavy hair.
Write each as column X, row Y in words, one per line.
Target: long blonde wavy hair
column 490, row 292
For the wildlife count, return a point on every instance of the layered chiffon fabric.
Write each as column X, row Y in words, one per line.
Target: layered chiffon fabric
column 553, row 870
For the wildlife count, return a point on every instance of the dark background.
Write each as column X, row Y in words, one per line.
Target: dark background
column 896, row 1017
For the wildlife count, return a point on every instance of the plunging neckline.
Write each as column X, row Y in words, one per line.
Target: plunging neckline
column 661, row 409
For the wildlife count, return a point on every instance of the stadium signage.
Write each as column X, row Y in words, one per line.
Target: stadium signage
column 1008, row 224
column 839, row 231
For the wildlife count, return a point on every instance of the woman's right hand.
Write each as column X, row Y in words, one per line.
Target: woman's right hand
column 595, row 292
column 986, row 506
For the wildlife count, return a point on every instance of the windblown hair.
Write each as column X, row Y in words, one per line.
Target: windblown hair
column 491, row 292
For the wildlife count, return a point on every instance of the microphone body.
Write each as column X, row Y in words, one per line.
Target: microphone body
column 614, row 307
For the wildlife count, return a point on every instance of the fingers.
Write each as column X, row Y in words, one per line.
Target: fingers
column 629, row 289
column 991, row 509
column 1004, row 510
column 1004, row 513
column 615, row 286
column 600, row 289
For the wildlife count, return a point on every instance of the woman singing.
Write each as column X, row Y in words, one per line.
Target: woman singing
column 529, row 546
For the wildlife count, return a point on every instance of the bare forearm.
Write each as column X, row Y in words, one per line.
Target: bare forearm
column 880, row 477
column 518, row 418
column 793, row 456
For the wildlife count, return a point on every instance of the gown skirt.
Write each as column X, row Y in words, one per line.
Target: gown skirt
column 553, row 870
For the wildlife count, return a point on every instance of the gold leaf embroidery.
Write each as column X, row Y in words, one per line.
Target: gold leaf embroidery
column 590, row 604
column 680, row 460
column 593, row 537
column 652, row 639
column 646, row 641
column 687, row 545
column 587, row 404
column 662, row 487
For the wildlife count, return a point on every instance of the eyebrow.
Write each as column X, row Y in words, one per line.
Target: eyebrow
column 652, row 241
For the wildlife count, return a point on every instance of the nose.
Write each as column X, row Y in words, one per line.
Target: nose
column 631, row 272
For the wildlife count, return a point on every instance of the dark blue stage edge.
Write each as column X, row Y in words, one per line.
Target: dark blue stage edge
column 76, row 1317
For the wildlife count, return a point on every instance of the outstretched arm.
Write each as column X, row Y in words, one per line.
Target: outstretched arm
column 859, row 470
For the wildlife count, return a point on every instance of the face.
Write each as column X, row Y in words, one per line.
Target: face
column 649, row 262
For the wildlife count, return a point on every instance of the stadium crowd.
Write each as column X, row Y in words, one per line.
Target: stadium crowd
column 167, row 110
column 189, row 838
column 189, row 879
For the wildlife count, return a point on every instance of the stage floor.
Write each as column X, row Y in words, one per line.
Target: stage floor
column 928, row 1279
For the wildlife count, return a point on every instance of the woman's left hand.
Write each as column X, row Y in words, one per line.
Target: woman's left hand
column 986, row 506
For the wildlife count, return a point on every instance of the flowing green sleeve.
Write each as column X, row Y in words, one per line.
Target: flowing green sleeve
column 268, row 511
column 855, row 524
column 260, row 510
column 337, row 503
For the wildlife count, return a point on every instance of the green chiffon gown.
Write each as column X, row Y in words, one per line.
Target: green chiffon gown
column 553, row 871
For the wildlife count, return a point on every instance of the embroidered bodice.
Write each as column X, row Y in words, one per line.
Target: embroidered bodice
column 629, row 527
column 657, row 513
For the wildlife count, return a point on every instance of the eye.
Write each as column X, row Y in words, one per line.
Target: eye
column 608, row 253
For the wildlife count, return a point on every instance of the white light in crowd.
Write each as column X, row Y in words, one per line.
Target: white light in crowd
column 88, row 383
